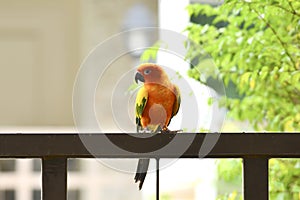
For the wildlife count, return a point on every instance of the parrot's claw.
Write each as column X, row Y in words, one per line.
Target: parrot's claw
column 166, row 130
column 145, row 130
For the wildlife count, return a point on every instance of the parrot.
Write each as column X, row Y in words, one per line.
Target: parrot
column 157, row 101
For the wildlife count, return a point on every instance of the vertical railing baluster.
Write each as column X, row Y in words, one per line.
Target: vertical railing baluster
column 157, row 178
column 54, row 178
column 256, row 182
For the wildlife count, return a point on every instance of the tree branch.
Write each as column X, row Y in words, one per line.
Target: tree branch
column 277, row 36
column 292, row 7
column 287, row 10
column 292, row 11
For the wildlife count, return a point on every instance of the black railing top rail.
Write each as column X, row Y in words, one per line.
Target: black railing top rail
column 54, row 149
column 228, row 145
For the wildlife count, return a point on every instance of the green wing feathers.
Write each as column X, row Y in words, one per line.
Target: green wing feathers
column 140, row 104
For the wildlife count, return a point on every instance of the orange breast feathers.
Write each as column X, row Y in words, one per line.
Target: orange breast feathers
column 158, row 100
column 159, row 107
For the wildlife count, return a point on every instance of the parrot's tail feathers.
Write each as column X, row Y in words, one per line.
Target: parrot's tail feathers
column 141, row 171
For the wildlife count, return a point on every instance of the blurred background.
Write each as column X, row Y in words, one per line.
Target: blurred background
column 42, row 45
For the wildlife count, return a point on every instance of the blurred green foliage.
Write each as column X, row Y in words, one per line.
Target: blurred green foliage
column 230, row 171
column 257, row 49
column 255, row 45
column 284, row 179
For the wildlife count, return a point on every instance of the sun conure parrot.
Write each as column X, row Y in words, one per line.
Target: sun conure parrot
column 157, row 101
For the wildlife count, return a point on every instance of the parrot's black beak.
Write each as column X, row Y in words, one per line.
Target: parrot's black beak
column 139, row 77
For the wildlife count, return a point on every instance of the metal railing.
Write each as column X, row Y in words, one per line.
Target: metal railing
column 54, row 149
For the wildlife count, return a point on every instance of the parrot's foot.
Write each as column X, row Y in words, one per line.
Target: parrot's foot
column 144, row 130
column 166, row 130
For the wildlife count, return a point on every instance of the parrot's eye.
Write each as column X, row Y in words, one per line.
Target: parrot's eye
column 147, row 71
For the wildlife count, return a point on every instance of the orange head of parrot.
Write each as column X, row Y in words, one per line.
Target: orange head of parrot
column 151, row 73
